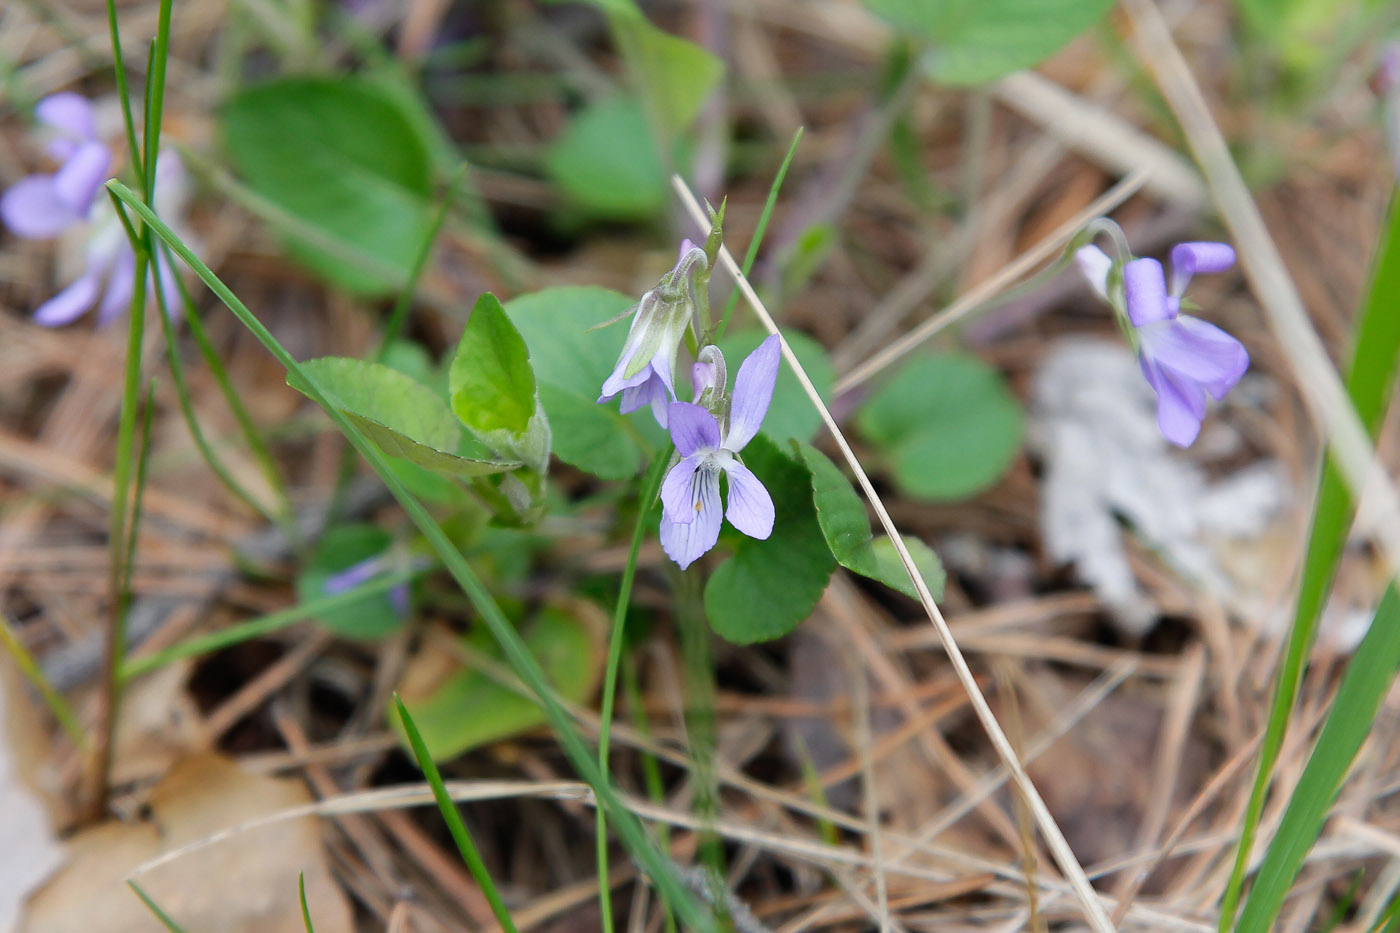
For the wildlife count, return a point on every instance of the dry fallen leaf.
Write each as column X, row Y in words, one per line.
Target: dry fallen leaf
column 242, row 884
column 28, row 850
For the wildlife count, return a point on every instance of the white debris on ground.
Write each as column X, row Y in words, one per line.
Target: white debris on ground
column 1110, row 473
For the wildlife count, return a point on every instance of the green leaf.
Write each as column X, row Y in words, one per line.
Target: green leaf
column 341, row 157
column 404, row 418
column 338, row 550
column 590, row 436
column 492, row 384
column 468, row 709
column 767, row 587
column 571, row 361
column 607, row 164
column 947, row 425
column 676, row 75
column 673, row 74
column 843, row 521
column 1367, row 681
column 791, row 415
column 975, row 41
column 555, row 324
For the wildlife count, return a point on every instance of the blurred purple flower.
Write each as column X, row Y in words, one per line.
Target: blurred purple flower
column 690, row 502
column 40, row 207
column 645, row 370
column 1182, row 357
column 363, row 572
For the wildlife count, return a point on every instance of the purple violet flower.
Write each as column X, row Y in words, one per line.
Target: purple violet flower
column 690, row 501
column 1182, row 357
column 362, row 572
column 645, row 371
column 40, row 207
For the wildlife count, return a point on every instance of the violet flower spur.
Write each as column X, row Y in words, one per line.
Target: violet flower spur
column 645, row 370
column 690, row 500
column 1182, row 357
column 40, row 207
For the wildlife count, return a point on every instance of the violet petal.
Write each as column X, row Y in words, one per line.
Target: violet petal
column 685, row 543
column 32, row 208
column 678, row 490
column 1198, row 351
column 750, row 506
column 70, row 304
column 70, row 114
column 1094, row 265
column 1145, row 288
column 693, row 428
column 753, row 391
column 1181, row 405
column 76, row 183
column 1188, row 259
column 120, row 286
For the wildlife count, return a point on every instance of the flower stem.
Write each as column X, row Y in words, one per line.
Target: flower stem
column 650, row 487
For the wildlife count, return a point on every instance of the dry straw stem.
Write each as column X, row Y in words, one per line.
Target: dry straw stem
column 1317, row 380
column 988, row 289
column 1074, row 872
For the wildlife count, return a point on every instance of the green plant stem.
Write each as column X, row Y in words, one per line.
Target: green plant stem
column 1372, row 373
column 286, row 517
column 650, row 487
column 115, row 648
column 54, row 700
column 651, row 770
column 272, row 622
column 124, row 92
column 697, row 650
column 154, row 908
column 761, row 228
column 182, row 395
column 455, row 826
column 305, row 910
column 155, row 99
column 527, row 668
column 143, row 463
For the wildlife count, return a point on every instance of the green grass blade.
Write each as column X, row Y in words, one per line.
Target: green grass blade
column 399, row 317
column 155, row 98
column 1364, row 686
column 186, row 402
column 650, row 487
column 1368, row 383
column 305, row 911
column 154, row 908
column 751, row 254
column 123, row 91
column 272, row 622
column 455, row 826
column 54, row 700
column 656, row 865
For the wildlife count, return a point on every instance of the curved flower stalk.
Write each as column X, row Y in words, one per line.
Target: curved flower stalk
column 645, row 370
column 94, row 256
column 710, row 445
column 1183, row 358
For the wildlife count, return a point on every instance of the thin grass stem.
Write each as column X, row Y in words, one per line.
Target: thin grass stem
column 455, row 826
column 30, row 668
column 154, row 908
column 751, row 254
column 650, row 487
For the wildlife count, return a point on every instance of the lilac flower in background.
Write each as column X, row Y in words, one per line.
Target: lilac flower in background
column 363, row 572
column 94, row 257
column 40, row 207
column 100, row 266
column 690, row 500
column 645, row 370
column 1183, row 358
